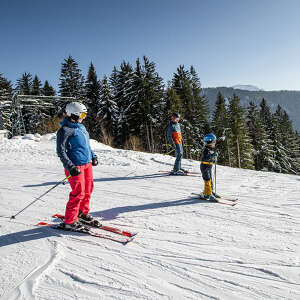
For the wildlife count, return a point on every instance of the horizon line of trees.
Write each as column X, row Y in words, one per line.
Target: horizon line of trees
column 131, row 109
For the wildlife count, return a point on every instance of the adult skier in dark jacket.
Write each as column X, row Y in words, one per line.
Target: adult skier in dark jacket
column 175, row 139
column 77, row 157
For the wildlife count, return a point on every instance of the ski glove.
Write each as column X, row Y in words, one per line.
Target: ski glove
column 215, row 156
column 95, row 161
column 74, row 171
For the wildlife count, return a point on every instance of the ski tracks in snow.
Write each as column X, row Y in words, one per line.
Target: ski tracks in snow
column 25, row 290
column 185, row 249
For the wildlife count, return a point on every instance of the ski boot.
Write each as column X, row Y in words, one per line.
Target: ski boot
column 210, row 198
column 75, row 226
column 177, row 172
column 184, row 170
column 88, row 220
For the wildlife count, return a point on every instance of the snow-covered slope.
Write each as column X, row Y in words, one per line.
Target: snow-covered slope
column 185, row 249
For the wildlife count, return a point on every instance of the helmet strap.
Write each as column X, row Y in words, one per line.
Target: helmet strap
column 73, row 118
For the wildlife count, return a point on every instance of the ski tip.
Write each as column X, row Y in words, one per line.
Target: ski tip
column 57, row 216
column 42, row 224
column 129, row 240
column 129, row 234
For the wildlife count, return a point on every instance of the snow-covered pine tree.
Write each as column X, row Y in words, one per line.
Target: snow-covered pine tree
column 281, row 162
column 24, row 84
column 92, row 93
column 30, row 113
column 149, row 93
column 268, row 121
column 172, row 103
column 107, row 113
column 263, row 148
column 286, row 152
column 133, row 111
column 6, row 92
column 123, row 94
column 199, row 117
column 221, row 128
column 6, row 89
column 239, row 139
column 113, row 82
column 48, row 90
column 194, row 121
column 71, row 80
column 36, row 86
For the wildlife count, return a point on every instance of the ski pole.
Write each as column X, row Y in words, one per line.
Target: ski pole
column 216, row 178
column 14, row 216
column 169, row 152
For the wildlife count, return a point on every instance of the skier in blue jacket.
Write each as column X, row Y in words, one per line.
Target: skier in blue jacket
column 77, row 157
column 175, row 139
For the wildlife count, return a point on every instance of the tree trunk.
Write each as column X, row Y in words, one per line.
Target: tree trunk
column 152, row 139
column 229, row 158
column 148, row 138
column 238, row 151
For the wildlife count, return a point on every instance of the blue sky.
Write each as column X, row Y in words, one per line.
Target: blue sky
column 228, row 41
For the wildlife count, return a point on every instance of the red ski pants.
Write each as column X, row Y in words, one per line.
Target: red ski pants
column 82, row 187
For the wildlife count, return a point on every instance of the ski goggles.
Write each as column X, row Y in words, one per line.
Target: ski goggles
column 82, row 115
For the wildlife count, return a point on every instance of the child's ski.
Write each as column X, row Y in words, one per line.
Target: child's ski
column 221, row 198
column 103, row 227
column 218, row 200
column 228, row 199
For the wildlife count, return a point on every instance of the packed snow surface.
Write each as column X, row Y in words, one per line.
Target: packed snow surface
column 185, row 248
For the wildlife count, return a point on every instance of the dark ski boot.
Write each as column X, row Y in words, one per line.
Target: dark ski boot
column 88, row 220
column 75, row 226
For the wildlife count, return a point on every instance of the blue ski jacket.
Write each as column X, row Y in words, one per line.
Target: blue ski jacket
column 73, row 145
column 174, row 133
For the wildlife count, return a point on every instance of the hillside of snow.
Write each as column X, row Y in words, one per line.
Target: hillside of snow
column 185, row 248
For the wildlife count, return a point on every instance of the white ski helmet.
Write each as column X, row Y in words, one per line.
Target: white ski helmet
column 76, row 108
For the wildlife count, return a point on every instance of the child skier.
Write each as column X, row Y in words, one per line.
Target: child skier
column 209, row 157
column 74, row 151
column 175, row 139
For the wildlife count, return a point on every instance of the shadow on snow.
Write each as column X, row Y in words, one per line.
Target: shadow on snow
column 25, row 236
column 147, row 176
column 113, row 213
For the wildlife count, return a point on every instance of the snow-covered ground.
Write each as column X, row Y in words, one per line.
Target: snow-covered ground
column 185, row 249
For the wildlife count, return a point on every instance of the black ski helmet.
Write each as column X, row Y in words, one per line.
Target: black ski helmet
column 175, row 115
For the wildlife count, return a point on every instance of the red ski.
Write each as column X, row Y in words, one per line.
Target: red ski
column 104, row 227
column 119, row 239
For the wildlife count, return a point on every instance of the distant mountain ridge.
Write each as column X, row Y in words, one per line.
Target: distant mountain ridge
column 288, row 100
column 247, row 87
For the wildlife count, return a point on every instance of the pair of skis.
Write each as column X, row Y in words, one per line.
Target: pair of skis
column 186, row 173
column 219, row 200
column 123, row 237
